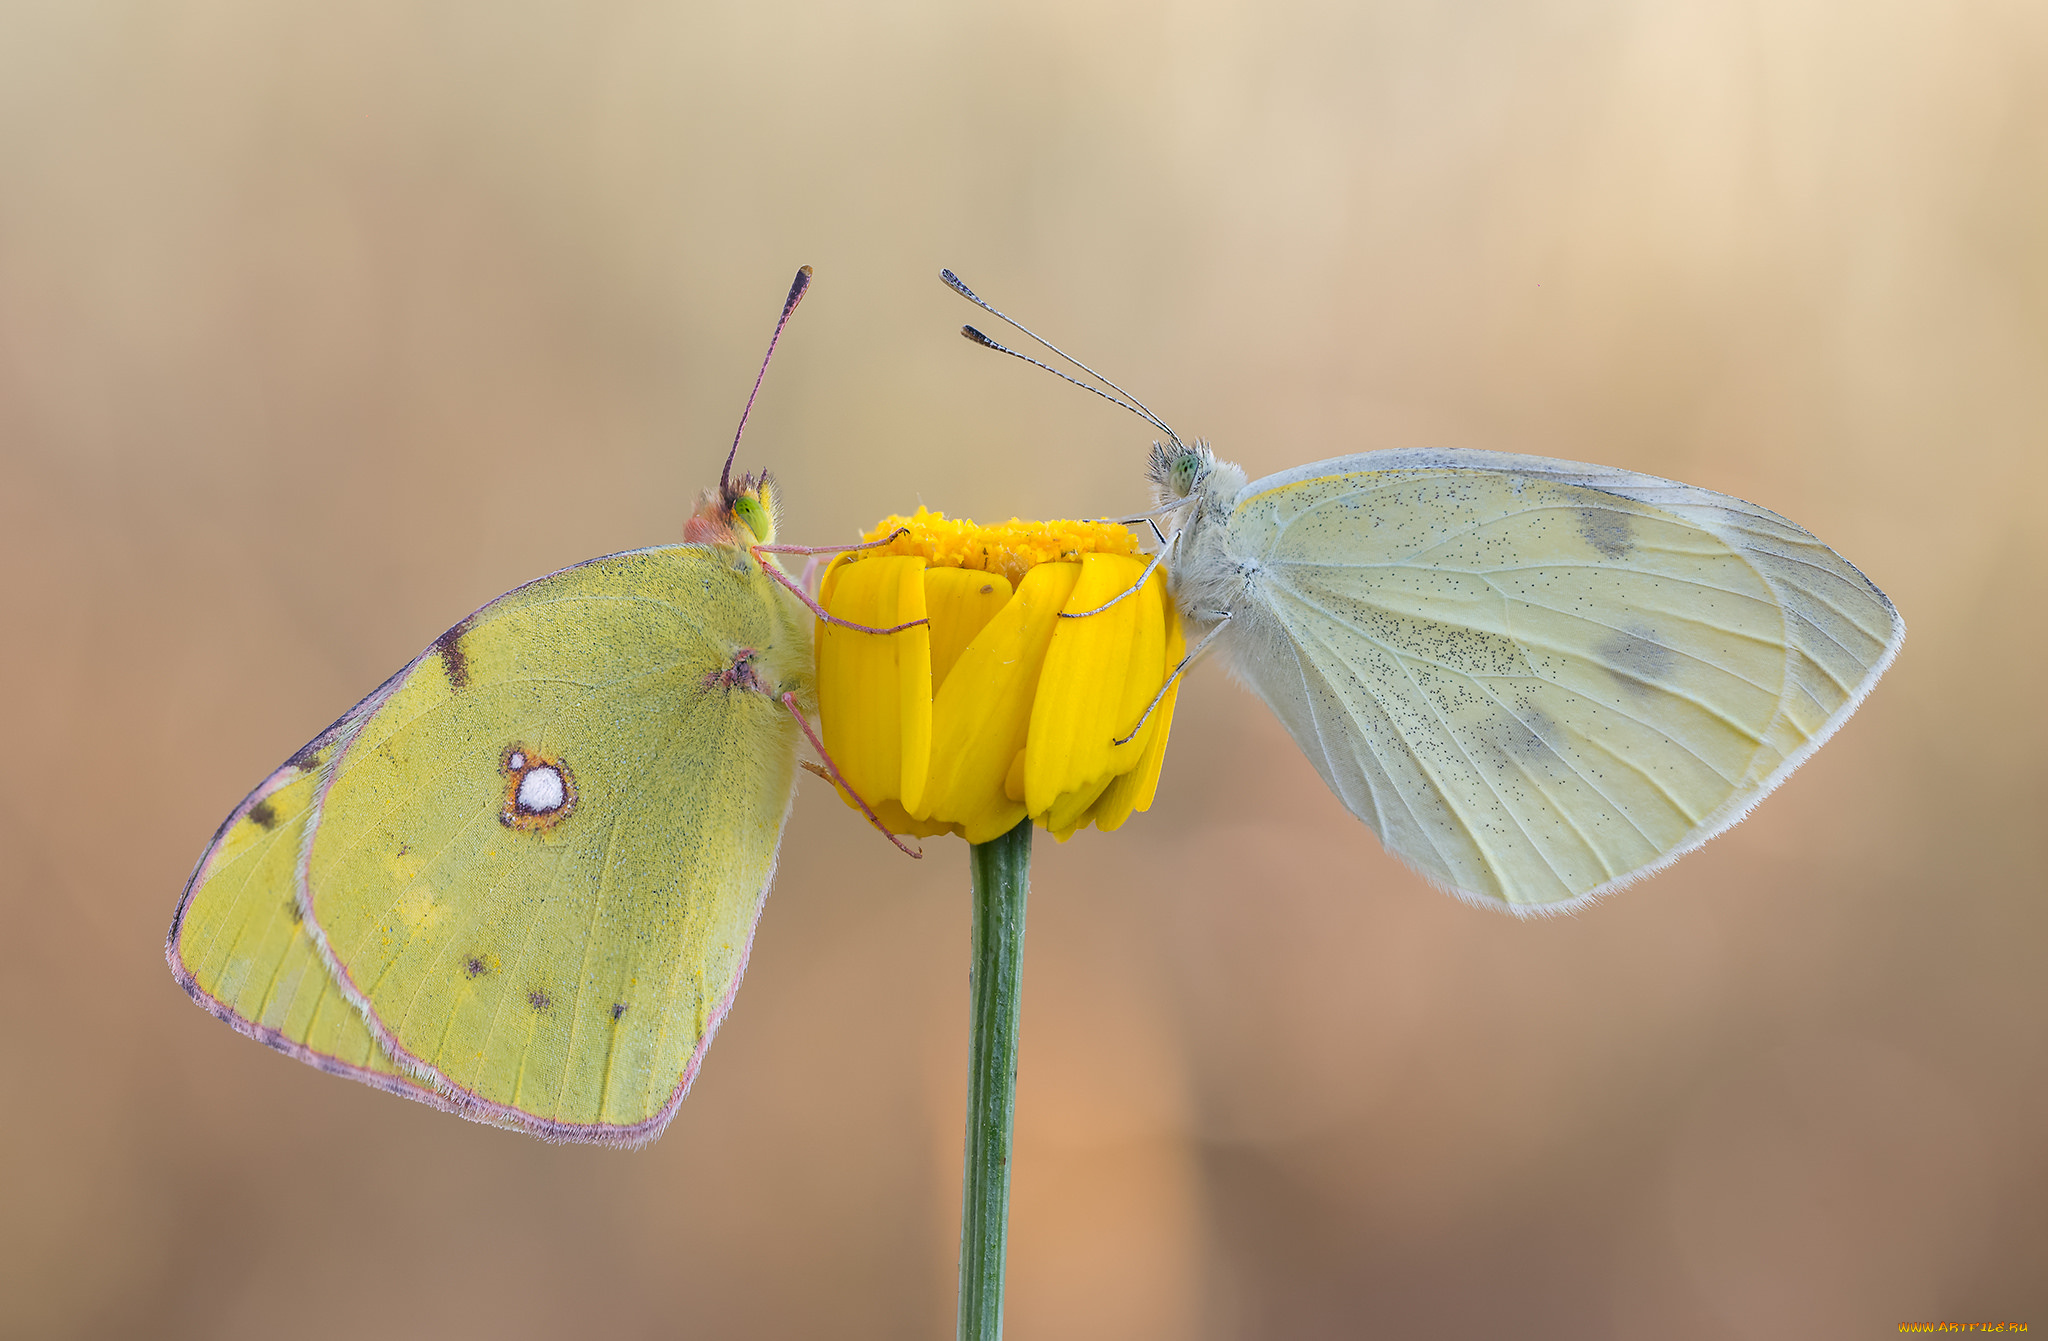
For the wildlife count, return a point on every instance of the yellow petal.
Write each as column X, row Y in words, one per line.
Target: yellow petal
column 899, row 821
column 1099, row 674
column 960, row 602
column 1070, row 811
column 1133, row 791
column 982, row 713
column 874, row 699
column 997, row 709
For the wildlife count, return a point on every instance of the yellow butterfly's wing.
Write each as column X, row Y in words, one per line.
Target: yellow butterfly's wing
column 1537, row 680
column 537, row 864
column 531, row 863
column 238, row 943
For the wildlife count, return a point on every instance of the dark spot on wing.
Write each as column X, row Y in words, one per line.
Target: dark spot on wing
column 618, row 1009
column 1637, row 659
column 293, row 911
column 1519, row 740
column 1608, row 531
column 453, row 659
column 739, row 674
column 538, row 999
column 404, row 849
column 475, row 967
column 264, row 813
column 311, row 754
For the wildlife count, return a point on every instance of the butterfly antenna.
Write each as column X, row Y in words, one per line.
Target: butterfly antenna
column 978, row 338
column 798, row 287
column 1129, row 402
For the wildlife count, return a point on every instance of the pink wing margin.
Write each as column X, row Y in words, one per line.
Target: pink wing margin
column 467, row 1103
column 306, row 760
column 447, row 1094
column 423, row 1083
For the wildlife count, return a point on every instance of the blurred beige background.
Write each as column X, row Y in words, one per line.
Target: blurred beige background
column 322, row 324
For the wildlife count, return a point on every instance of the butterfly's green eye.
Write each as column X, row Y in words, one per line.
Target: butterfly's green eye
column 1178, row 470
column 752, row 511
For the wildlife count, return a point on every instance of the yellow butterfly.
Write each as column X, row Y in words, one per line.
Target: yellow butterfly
column 1535, row 680
column 519, row 880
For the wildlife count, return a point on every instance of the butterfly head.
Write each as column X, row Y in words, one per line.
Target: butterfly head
column 739, row 512
column 1176, row 469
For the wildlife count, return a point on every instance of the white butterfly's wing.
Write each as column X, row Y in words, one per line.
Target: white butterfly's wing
column 1535, row 679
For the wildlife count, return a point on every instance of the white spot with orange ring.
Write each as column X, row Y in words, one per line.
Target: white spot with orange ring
column 540, row 791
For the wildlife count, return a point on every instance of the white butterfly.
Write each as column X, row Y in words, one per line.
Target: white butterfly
column 1536, row 680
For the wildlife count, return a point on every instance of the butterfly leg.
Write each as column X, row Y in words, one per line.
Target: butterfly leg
column 1131, row 590
column 776, row 572
column 828, row 549
column 1165, row 549
column 1222, row 618
column 1150, row 518
column 832, row 774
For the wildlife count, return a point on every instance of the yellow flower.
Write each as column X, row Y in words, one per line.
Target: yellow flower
column 997, row 708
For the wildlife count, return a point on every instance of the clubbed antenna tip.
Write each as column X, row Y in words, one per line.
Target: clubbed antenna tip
column 798, row 287
column 1122, row 397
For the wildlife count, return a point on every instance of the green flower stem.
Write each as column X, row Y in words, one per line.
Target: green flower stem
column 1002, row 871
